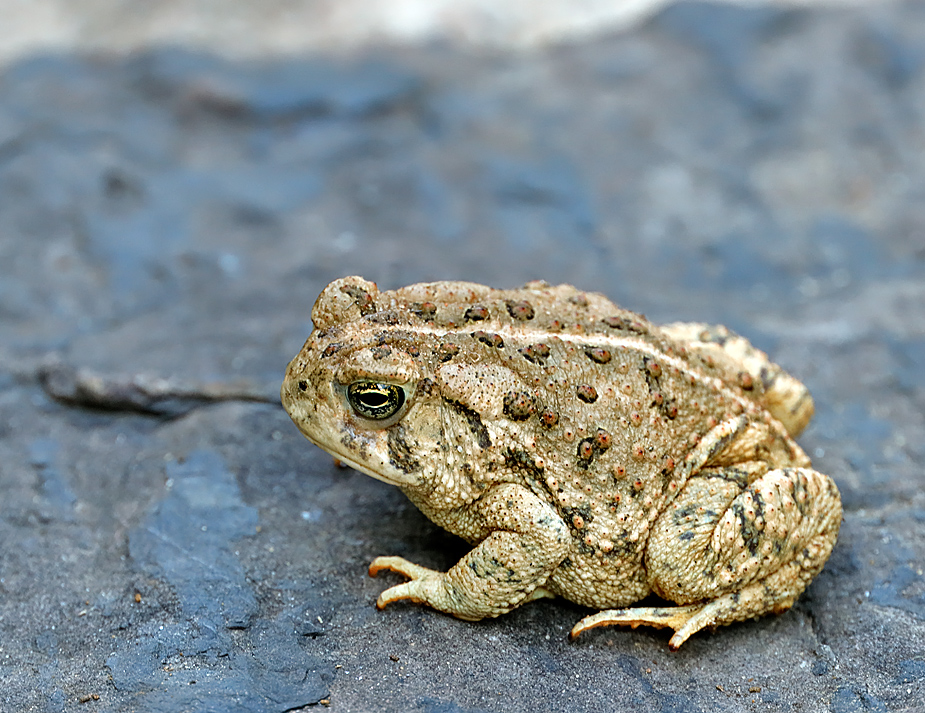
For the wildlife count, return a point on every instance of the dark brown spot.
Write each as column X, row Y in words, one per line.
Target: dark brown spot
column 361, row 298
column 519, row 405
column 389, row 317
column 521, row 310
column 578, row 517
column 746, row 380
column 666, row 406
column 587, row 393
column 426, row 386
column 489, row 338
column 536, row 353
column 382, row 352
column 603, row 440
column 667, row 465
column 549, row 418
column 303, row 385
column 425, row 310
column 331, row 350
column 476, row 313
column 653, row 367
column 586, row 449
column 331, row 331
column 627, row 323
column 447, row 351
column 598, row 355
column 579, row 300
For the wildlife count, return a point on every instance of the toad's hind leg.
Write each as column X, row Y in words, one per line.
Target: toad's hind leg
column 733, row 546
column 784, row 397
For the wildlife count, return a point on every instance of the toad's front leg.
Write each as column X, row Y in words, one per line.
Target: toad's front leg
column 527, row 540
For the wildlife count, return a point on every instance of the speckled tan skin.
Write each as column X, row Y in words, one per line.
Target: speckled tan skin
column 582, row 450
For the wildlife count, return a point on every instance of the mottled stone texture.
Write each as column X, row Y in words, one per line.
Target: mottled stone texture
column 167, row 220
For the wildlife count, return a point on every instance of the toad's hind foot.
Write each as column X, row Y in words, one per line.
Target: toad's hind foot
column 685, row 620
column 426, row 585
column 677, row 618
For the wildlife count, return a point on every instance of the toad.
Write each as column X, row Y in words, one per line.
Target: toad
column 583, row 451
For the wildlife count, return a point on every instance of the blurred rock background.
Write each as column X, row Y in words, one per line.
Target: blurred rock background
column 280, row 27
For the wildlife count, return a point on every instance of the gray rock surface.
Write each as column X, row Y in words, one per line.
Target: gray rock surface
column 171, row 543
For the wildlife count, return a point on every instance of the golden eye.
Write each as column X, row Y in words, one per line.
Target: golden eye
column 375, row 400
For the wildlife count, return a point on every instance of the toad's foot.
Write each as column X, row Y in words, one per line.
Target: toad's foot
column 526, row 540
column 686, row 620
column 426, row 586
column 401, row 566
column 677, row 618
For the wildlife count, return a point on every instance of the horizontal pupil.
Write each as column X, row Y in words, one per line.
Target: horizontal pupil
column 374, row 399
column 378, row 401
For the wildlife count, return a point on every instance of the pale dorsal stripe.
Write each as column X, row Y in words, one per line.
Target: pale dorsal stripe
column 585, row 340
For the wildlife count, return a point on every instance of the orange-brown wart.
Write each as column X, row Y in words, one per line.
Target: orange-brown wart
column 583, row 451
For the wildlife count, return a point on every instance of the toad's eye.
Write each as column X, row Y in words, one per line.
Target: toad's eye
column 375, row 400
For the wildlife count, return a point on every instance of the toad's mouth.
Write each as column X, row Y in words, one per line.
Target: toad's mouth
column 388, row 474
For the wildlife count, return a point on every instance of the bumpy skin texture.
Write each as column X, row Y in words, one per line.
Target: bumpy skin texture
column 583, row 451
